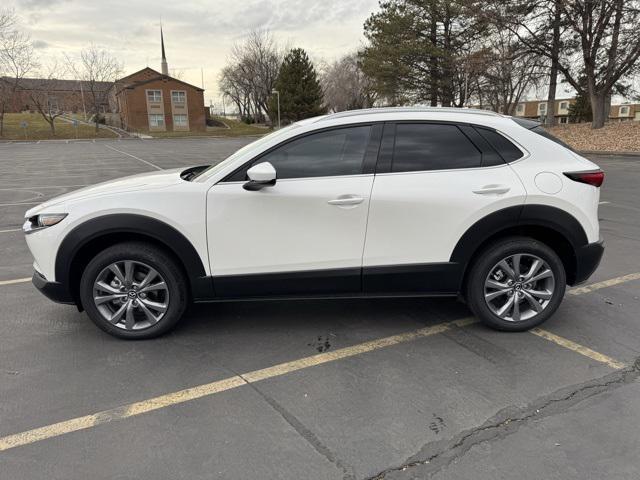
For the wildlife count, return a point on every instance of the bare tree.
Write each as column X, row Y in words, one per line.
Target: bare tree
column 236, row 90
column 509, row 71
column 346, row 86
column 43, row 97
column 17, row 59
column 250, row 76
column 98, row 69
column 599, row 41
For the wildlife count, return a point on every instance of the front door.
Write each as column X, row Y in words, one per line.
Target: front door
column 305, row 234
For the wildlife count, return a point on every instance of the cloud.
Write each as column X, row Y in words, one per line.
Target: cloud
column 40, row 44
column 32, row 4
column 198, row 33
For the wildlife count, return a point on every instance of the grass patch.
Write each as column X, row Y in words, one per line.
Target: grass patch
column 38, row 128
column 236, row 129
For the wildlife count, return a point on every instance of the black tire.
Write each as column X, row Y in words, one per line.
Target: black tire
column 146, row 255
column 484, row 265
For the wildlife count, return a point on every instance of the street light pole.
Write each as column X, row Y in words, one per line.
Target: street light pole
column 278, row 95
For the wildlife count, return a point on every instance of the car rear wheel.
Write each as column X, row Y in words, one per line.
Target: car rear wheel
column 134, row 290
column 516, row 284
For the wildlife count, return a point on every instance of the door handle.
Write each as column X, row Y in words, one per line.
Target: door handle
column 345, row 200
column 492, row 189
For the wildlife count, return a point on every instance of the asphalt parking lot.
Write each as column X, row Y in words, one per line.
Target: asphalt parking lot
column 409, row 388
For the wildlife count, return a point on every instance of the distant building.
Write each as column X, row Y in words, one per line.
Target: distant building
column 64, row 95
column 537, row 109
column 151, row 101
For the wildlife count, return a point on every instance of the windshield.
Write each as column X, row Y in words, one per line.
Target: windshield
column 247, row 148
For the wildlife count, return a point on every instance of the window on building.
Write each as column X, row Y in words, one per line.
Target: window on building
column 424, row 146
column 564, row 105
column 624, row 111
column 154, row 95
column 520, row 108
column 180, row 120
column 178, row 96
column 156, row 120
column 563, row 119
column 52, row 104
column 324, row 154
column 542, row 108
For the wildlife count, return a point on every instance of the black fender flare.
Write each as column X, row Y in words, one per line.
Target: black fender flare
column 168, row 236
column 508, row 218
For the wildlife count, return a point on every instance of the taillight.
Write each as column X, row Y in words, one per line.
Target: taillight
column 593, row 177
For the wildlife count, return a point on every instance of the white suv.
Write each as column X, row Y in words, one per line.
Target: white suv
column 381, row 202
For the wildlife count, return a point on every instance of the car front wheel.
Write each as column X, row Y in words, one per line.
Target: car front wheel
column 133, row 290
column 516, row 284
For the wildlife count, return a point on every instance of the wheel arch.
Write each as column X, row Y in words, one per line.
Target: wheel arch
column 550, row 225
column 87, row 239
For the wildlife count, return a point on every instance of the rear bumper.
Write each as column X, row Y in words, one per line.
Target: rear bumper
column 52, row 290
column 587, row 260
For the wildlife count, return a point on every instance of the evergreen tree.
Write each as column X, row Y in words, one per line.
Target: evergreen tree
column 300, row 91
column 580, row 111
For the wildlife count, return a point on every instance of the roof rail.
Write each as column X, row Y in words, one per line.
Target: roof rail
column 381, row 110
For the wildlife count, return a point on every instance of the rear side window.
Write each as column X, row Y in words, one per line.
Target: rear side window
column 507, row 150
column 424, row 146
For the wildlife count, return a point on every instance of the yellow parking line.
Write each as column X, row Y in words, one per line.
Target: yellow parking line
column 576, row 347
column 17, row 280
column 176, row 398
column 182, row 396
column 604, row 284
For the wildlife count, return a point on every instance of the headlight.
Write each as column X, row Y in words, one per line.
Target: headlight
column 44, row 220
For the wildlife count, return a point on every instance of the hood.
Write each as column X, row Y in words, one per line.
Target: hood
column 141, row 181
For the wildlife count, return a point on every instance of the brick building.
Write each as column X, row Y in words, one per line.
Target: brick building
column 151, row 101
column 65, row 95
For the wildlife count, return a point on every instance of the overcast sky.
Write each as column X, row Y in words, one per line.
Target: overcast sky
column 197, row 33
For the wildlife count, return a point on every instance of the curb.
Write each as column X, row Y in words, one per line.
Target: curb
column 121, row 139
column 607, row 153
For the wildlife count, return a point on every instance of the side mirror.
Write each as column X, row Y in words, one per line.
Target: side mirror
column 260, row 176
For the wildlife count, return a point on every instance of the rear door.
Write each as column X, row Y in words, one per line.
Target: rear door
column 434, row 181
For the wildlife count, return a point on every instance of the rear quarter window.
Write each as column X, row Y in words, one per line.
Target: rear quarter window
column 505, row 148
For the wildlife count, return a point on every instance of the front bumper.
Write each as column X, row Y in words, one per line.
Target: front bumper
column 52, row 290
column 587, row 260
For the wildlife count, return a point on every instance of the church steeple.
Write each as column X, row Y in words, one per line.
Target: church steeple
column 165, row 67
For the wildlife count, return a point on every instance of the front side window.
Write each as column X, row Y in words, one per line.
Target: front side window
column 325, row 154
column 154, row 96
column 180, row 120
column 178, row 96
column 426, row 146
column 624, row 111
column 156, row 120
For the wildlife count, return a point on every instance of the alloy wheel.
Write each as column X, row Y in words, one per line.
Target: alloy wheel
column 519, row 287
column 131, row 295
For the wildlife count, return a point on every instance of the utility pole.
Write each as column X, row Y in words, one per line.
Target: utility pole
column 276, row 92
column 84, row 108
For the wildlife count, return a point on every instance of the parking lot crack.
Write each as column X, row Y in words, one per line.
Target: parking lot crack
column 434, row 456
column 302, row 430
